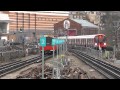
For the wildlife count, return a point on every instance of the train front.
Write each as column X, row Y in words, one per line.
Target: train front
column 100, row 41
column 48, row 49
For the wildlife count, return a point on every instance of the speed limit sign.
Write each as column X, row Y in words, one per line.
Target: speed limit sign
column 66, row 24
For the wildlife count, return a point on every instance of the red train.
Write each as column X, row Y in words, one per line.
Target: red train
column 96, row 41
column 48, row 49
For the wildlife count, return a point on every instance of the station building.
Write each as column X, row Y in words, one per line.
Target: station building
column 40, row 22
column 77, row 27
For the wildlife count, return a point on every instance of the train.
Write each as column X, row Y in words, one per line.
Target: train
column 48, row 49
column 96, row 41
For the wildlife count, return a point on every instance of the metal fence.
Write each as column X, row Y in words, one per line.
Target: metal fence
column 98, row 54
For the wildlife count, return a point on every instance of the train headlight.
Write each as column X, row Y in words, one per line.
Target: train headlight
column 95, row 44
column 104, row 43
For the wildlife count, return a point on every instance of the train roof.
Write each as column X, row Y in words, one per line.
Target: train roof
column 85, row 36
column 81, row 36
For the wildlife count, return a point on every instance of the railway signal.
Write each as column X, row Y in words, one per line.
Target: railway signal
column 66, row 25
column 43, row 44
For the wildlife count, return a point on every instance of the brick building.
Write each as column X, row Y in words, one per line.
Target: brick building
column 30, row 21
column 77, row 27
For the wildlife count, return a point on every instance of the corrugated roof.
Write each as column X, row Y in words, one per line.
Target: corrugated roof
column 85, row 23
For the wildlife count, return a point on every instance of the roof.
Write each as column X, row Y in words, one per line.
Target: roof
column 85, row 36
column 53, row 13
column 81, row 36
column 85, row 23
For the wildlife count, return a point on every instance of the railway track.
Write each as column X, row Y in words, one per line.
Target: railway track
column 109, row 71
column 16, row 65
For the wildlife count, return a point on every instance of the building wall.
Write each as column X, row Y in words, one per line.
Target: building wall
column 89, row 31
column 77, row 15
column 33, row 20
column 92, row 16
column 58, row 27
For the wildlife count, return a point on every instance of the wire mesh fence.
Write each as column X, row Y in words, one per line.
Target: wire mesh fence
column 98, row 54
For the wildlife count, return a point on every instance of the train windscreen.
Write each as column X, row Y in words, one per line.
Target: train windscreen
column 49, row 40
column 100, row 39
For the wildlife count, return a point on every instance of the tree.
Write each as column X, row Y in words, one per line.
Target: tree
column 108, row 20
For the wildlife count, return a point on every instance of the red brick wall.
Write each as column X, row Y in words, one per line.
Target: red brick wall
column 73, row 25
column 42, row 21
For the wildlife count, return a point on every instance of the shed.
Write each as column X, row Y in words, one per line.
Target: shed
column 77, row 27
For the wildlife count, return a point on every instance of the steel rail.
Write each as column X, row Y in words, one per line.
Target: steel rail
column 106, row 69
column 14, row 66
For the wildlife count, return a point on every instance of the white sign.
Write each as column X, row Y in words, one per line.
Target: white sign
column 66, row 24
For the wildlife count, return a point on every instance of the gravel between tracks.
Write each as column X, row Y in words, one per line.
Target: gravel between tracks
column 75, row 62
column 92, row 73
column 14, row 74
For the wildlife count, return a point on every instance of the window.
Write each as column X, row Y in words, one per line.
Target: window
column 48, row 19
column 43, row 18
column 80, row 41
column 76, row 41
column 53, row 19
